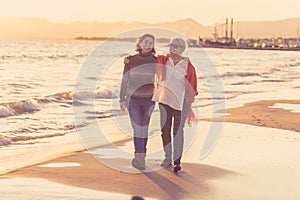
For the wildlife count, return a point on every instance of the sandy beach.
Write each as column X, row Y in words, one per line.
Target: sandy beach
column 63, row 135
column 263, row 113
column 255, row 158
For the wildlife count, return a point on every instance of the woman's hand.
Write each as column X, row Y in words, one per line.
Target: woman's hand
column 190, row 116
column 123, row 105
column 126, row 61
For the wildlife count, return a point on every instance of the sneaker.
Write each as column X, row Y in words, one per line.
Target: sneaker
column 177, row 168
column 138, row 165
column 165, row 163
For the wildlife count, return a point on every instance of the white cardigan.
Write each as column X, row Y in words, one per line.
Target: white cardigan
column 171, row 91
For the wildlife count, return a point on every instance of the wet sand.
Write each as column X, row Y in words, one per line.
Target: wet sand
column 256, row 158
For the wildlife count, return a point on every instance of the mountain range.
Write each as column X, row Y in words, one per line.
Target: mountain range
column 13, row 27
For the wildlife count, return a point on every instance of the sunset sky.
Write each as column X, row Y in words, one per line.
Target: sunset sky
column 205, row 12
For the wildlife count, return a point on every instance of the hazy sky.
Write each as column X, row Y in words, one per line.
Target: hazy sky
column 206, row 12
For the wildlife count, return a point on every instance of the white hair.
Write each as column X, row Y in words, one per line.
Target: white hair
column 178, row 40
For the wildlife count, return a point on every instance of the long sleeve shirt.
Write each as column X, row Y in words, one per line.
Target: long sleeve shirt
column 138, row 77
column 190, row 77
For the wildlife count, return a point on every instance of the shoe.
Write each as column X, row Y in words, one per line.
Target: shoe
column 137, row 164
column 168, row 156
column 165, row 163
column 139, row 161
column 177, row 168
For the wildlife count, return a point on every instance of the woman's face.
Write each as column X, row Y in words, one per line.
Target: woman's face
column 176, row 48
column 147, row 45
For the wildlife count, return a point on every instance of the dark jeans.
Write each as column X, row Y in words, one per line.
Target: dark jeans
column 167, row 115
column 140, row 111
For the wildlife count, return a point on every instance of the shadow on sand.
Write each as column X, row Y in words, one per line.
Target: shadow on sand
column 190, row 183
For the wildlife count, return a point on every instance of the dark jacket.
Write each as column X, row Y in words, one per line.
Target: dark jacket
column 138, row 77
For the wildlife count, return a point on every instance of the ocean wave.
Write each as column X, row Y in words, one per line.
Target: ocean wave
column 85, row 95
column 281, row 66
column 100, row 114
column 26, row 138
column 240, row 74
column 270, row 69
column 5, row 57
column 42, row 57
column 60, row 56
column 81, row 55
column 102, row 94
column 78, row 103
column 273, row 80
column 106, row 94
column 242, row 83
column 5, row 141
column 62, row 96
column 18, row 107
column 33, row 105
column 291, row 64
column 16, row 85
column 6, row 111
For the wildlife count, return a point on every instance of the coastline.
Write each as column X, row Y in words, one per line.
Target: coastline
column 250, row 48
column 261, row 113
column 255, row 156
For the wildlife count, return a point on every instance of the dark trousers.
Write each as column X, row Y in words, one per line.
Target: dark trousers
column 169, row 117
column 140, row 111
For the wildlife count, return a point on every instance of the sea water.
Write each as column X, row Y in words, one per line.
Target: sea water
column 38, row 80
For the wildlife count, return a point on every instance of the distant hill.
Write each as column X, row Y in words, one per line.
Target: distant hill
column 12, row 27
column 280, row 28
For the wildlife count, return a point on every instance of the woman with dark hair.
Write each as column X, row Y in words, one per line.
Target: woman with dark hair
column 136, row 94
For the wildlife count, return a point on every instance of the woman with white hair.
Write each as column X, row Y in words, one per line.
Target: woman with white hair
column 175, row 92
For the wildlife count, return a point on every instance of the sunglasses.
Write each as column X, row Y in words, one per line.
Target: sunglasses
column 175, row 46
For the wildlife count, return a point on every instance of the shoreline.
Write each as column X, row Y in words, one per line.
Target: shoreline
column 260, row 113
column 248, row 48
column 248, row 153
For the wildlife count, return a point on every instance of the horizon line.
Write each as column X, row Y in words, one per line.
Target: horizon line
column 131, row 22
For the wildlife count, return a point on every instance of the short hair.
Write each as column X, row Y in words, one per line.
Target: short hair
column 178, row 40
column 140, row 39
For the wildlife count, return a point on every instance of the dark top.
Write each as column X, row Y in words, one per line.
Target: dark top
column 138, row 77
